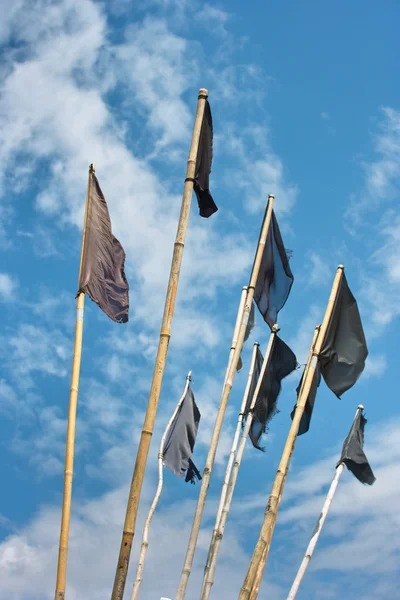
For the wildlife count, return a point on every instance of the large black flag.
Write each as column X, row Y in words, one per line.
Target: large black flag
column 282, row 363
column 344, row 350
column 102, row 275
column 275, row 277
column 179, row 445
column 308, row 409
column 353, row 455
column 201, row 184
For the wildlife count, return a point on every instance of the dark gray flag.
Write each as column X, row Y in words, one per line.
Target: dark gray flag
column 102, row 275
column 353, row 454
column 275, row 277
column 281, row 364
column 179, row 445
column 201, row 184
column 344, row 350
column 308, row 409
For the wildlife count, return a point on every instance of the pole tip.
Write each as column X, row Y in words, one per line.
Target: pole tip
column 256, row 343
column 275, row 328
column 272, row 196
column 92, row 168
column 189, row 376
column 360, row 407
column 341, row 267
column 203, row 92
column 244, row 288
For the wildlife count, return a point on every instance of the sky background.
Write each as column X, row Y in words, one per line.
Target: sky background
column 305, row 102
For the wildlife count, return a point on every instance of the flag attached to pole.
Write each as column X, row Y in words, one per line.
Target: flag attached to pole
column 275, row 277
column 353, row 455
column 343, row 354
column 201, row 184
column 102, row 275
column 308, row 409
column 281, row 364
column 179, row 445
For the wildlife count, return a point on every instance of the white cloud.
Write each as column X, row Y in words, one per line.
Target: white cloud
column 8, row 286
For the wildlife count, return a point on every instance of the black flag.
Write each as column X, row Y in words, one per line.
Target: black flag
column 353, row 454
column 102, row 275
column 344, row 350
column 275, row 277
column 178, row 447
column 201, row 187
column 308, row 409
column 281, row 364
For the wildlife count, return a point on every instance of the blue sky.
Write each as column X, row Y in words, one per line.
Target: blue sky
column 305, row 102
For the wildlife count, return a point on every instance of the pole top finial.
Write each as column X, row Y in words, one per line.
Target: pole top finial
column 271, row 196
column 189, row 376
column 203, row 92
column 244, row 288
column 360, row 407
column 275, row 328
column 256, row 343
column 341, row 267
column 92, row 168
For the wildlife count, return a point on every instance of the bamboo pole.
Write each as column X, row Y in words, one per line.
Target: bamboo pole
column 251, row 585
column 70, row 443
column 145, row 539
column 239, row 318
column 209, row 577
column 223, row 404
column 230, row 461
column 165, row 334
column 318, row 527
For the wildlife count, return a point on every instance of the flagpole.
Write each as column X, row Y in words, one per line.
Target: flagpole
column 70, row 443
column 218, row 534
column 251, row 584
column 145, row 539
column 230, row 461
column 318, row 526
column 228, row 382
column 165, row 334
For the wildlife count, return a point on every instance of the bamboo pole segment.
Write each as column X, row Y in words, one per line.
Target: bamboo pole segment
column 145, row 539
column 239, row 318
column 209, row 577
column 230, row 461
column 251, row 584
column 318, row 527
column 223, row 404
column 165, row 334
column 70, row 443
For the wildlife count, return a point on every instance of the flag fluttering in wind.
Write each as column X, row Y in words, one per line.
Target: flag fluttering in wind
column 275, row 277
column 343, row 354
column 102, row 275
column 306, row 416
column 353, row 455
column 179, row 444
column 201, row 184
column 282, row 363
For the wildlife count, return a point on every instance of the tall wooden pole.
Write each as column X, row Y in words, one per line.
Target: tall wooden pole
column 318, row 527
column 229, row 465
column 255, row 571
column 218, row 534
column 70, row 444
column 222, row 406
column 145, row 539
column 165, row 334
